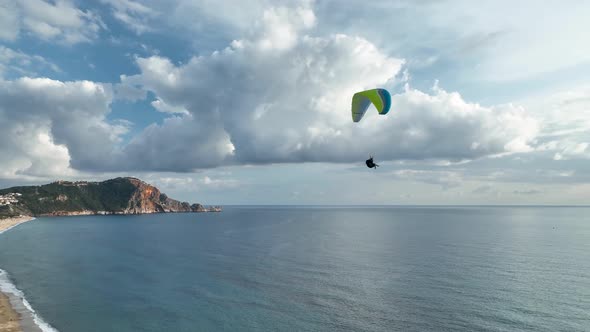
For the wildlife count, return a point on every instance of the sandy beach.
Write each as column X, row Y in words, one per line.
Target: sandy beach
column 9, row 318
column 8, row 223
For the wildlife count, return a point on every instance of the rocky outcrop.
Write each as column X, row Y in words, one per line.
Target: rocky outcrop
column 201, row 208
column 145, row 199
column 115, row 196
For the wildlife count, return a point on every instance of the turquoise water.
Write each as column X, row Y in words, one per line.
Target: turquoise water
column 308, row 269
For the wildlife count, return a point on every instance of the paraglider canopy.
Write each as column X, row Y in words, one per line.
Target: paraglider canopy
column 362, row 100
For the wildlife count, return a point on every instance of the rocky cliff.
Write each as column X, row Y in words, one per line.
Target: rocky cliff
column 116, row 196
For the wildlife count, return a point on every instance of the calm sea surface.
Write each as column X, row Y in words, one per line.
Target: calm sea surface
column 308, row 269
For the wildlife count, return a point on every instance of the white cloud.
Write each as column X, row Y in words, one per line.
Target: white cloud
column 280, row 95
column 128, row 91
column 215, row 22
column 567, row 149
column 178, row 144
column 288, row 100
column 134, row 14
column 9, row 24
column 494, row 41
column 47, row 126
column 21, row 63
column 444, row 126
column 234, row 18
column 163, row 107
column 565, row 119
column 27, row 150
column 280, row 27
column 58, row 20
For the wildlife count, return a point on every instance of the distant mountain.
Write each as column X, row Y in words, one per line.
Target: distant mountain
column 116, row 196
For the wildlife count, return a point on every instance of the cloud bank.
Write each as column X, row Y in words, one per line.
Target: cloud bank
column 281, row 94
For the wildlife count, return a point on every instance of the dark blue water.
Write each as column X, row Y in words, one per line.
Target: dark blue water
column 308, row 269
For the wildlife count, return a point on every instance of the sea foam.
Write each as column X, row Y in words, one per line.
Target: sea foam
column 24, row 308
column 8, row 288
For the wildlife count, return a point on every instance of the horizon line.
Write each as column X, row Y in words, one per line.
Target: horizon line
column 415, row 205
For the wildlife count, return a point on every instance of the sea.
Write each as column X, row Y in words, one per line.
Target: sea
column 306, row 268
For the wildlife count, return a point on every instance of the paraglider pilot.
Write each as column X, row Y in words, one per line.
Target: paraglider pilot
column 370, row 163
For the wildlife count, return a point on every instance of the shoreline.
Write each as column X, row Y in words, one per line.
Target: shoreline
column 8, row 223
column 28, row 320
column 16, row 314
column 9, row 318
column 213, row 209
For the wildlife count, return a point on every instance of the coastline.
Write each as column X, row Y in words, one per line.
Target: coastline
column 8, row 223
column 16, row 314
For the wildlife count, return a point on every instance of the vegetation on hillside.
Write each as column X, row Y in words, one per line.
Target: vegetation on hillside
column 110, row 195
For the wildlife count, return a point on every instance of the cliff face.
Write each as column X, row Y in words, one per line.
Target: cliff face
column 115, row 196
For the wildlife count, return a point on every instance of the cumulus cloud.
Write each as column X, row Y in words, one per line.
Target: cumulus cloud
column 57, row 20
column 178, row 144
column 161, row 106
column 443, row 125
column 46, row 126
column 283, row 95
column 27, row 150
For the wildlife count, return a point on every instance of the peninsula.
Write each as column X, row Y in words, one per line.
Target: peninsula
column 123, row 195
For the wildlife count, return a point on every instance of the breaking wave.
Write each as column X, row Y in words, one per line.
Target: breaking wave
column 25, row 310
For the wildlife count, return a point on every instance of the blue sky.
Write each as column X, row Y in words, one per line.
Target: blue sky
column 222, row 103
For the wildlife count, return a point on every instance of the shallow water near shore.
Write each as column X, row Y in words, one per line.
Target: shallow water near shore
column 30, row 321
column 308, row 269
